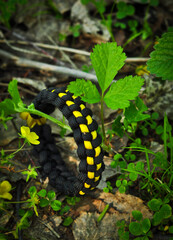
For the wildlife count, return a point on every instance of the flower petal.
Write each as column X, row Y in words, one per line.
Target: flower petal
column 6, row 196
column 32, row 138
column 24, row 115
column 5, row 186
column 31, row 121
column 25, row 131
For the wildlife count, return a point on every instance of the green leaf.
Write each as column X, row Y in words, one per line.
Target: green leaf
column 122, row 189
column 56, row 205
column 122, row 164
column 139, row 166
column 114, row 164
column 85, row 89
column 51, row 195
column 145, row 131
column 117, row 126
column 160, row 161
column 8, row 107
column 67, row 221
column 134, row 113
column 166, row 211
column 137, row 215
column 124, row 182
column 42, row 193
column 107, row 59
column 2, row 237
column 154, row 3
column 157, row 218
column 154, row 204
column 118, row 183
column 135, row 228
column 161, row 62
column 32, row 191
column 120, row 24
column 171, row 229
column 13, row 90
column 64, row 209
column 154, row 115
column 131, row 166
column 85, row 1
column 43, row 202
column 159, row 129
column 117, row 156
column 105, row 189
column 72, row 200
column 124, row 10
column 122, row 91
column 133, row 176
column 146, row 225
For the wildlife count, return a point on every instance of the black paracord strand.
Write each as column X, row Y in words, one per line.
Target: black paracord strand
column 84, row 129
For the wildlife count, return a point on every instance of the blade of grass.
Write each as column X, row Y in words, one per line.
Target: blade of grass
column 103, row 213
column 164, row 136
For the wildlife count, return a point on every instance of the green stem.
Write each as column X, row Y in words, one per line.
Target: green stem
column 102, row 121
column 165, row 138
column 15, row 202
column 103, row 213
column 148, row 162
column 19, row 148
column 109, row 28
column 158, row 184
column 36, row 112
column 132, row 38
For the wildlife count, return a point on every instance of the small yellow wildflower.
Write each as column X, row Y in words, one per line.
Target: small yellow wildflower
column 31, row 122
column 141, row 70
column 30, row 136
column 5, row 187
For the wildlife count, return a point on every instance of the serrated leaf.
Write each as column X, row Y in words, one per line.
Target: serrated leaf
column 85, row 89
column 134, row 113
column 122, row 91
column 117, row 126
column 13, row 90
column 107, row 59
column 161, row 62
column 8, row 107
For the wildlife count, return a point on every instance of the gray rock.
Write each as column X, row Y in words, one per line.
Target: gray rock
column 160, row 96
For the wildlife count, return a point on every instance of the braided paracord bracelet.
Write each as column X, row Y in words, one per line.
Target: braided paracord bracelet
column 84, row 129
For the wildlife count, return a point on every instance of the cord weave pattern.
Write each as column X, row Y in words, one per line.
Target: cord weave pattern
column 84, row 129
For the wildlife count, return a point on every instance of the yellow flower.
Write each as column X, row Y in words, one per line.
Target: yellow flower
column 141, row 70
column 5, row 187
column 30, row 136
column 31, row 122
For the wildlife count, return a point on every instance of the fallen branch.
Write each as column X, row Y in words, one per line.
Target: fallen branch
column 72, row 50
column 23, row 62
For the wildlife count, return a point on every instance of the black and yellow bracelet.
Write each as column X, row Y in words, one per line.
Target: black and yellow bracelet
column 84, row 129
